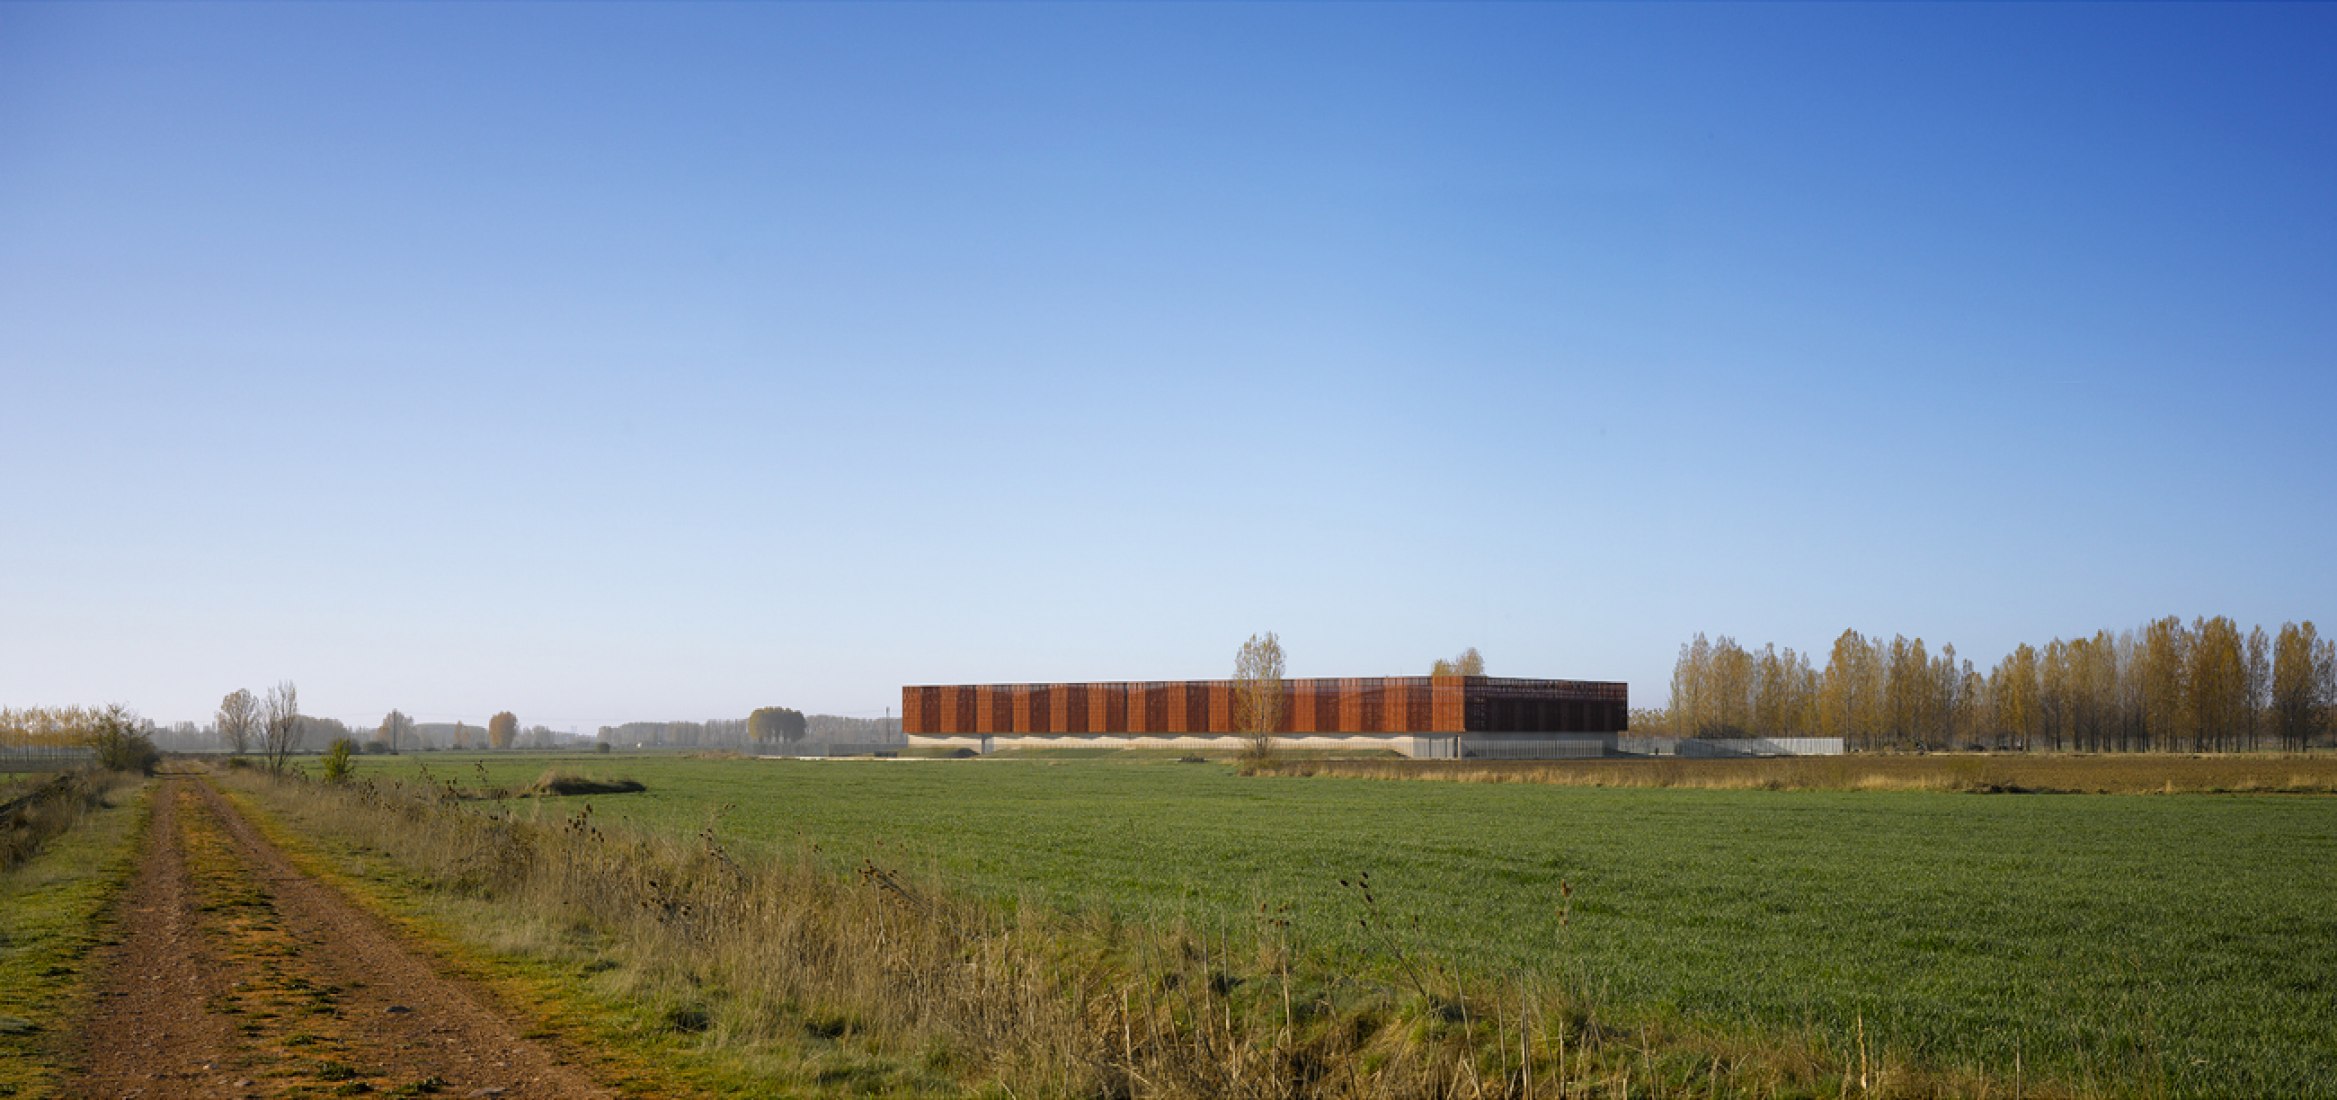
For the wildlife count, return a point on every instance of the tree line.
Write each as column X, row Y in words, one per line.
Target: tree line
column 765, row 727
column 2166, row 686
column 273, row 726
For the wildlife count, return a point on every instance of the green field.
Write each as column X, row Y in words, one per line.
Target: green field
column 2123, row 943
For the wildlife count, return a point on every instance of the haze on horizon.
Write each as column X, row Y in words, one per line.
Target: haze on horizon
column 614, row 362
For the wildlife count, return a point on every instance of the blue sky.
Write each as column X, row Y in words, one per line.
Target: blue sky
column 605, row 362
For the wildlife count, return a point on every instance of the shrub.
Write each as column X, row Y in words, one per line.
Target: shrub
column 120, row 747
column 337, row 760
column 557, row 782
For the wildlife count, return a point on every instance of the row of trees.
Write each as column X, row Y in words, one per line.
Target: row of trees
column 780, row 725
column 714, row 733
column 27, row 729
column 272, row 726
column 111, row 736
column 2167, row 686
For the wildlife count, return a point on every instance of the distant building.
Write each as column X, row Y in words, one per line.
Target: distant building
column 1432, row 716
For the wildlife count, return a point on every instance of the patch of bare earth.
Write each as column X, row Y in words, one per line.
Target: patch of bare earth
column 236, row 974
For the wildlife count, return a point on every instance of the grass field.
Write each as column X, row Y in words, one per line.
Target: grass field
column 2110, row 943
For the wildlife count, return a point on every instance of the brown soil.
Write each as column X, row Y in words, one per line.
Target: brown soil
column 233, row 973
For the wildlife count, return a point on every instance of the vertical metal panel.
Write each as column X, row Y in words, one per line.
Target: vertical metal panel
column 1116, row 708
column 1446, row 707
column 1406, row 704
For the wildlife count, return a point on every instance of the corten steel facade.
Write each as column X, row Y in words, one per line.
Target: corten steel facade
column 1441, row 709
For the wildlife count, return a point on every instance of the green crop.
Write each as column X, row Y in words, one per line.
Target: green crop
column 2115, row 942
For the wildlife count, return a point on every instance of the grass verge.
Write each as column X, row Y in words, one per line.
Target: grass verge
column 52, row 915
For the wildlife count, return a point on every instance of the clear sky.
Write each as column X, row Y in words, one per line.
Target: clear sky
column 608, row 362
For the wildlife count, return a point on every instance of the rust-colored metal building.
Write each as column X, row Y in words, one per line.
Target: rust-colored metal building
column 1416, row 715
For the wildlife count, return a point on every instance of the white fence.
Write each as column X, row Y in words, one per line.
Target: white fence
column 1631, row 744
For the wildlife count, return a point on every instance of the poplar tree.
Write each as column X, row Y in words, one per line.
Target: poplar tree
column 2218, row 683
column 2259, row 679
column 2301, row 671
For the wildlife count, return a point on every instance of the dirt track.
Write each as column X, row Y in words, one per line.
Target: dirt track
column 235, row 974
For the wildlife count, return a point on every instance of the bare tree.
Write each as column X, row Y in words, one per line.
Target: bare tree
column 1257, row 693
column 281, row 721
column 239, row 716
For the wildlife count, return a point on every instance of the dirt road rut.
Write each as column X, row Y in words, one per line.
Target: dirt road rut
column 235, row 974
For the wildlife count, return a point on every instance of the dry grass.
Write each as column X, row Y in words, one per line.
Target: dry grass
column 883, row 981
column 2136, row 773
